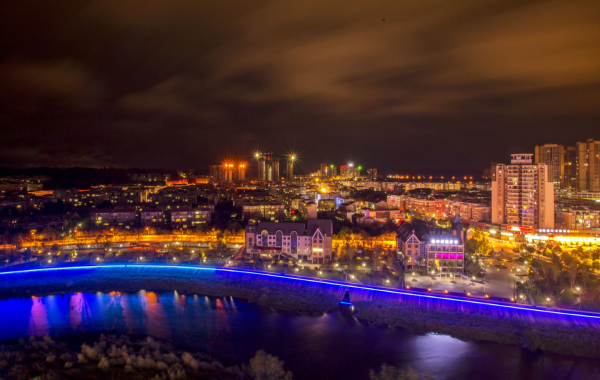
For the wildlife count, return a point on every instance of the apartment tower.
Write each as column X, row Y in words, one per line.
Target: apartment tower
column 522, row 193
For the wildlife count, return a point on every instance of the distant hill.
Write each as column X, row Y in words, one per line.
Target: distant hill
column 80, row 177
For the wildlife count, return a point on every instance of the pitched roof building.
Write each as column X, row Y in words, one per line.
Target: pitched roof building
column 309, row 243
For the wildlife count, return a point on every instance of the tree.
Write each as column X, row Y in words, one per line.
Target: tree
column 451, row 266
column 596, row 264
column 50, row 233
column 268, row 367
column 351, row 252
column 433, row 267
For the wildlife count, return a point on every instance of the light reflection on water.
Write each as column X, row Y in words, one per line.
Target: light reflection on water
column 327, row 347
column 38, row 321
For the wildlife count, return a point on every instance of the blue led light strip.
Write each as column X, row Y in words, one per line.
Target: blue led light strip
column 318, row 281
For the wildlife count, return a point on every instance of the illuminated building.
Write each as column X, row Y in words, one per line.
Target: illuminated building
column 268, row 166
column 397, row 201
column 522, row 193
column 588, row 165
column 350, row 171
column 327, row 170
column 115, row 217
column 189, row 217
column 172, row 197
column 228, row 172
column 200, row 180
column 263, row 211
column 289, row 173
column 439, row 249
column 310, row 243
column 152, row 217
column 578, row 217
column 553, row 155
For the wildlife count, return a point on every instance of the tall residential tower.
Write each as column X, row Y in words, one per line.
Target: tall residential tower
column 522, row 194
column 553, row 155
column 268, row 166
column 588, row 165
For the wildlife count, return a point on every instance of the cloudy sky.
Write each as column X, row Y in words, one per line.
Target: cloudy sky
column 401, row 85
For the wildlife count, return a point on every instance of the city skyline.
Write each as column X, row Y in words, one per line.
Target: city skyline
column 309, row 189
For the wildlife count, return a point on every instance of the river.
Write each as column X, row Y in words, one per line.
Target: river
column 332, row 346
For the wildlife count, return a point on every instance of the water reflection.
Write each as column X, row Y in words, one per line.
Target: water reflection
column 38, row 320
column 155, row 317
column 327, row 347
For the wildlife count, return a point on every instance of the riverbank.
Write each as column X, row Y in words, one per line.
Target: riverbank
column 561, row 340
column 119, row 358
column 308, row 298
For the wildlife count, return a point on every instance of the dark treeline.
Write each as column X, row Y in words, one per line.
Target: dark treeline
column 81, row 177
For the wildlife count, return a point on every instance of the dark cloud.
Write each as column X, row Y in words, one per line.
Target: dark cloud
column 437, row 86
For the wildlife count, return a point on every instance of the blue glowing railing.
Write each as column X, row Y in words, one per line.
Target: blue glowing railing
column 341, row 286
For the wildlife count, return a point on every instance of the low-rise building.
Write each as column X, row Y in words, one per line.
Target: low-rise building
column 579, row 218
column 438, row 250
column 263, row 211
column 310, row 243
column 113, row 217
column 152, row 217
column 189, row 217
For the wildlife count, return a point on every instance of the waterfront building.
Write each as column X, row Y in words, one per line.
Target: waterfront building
column 437, row 250
column 308, row 243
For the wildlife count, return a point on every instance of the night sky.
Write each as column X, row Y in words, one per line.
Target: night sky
column 401, row 85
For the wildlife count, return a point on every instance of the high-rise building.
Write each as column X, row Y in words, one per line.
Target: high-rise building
column 289, row 173
column 350, row 171
column 324, row 170
column 522, row 194
column 327, row 170
column 570, row 170
column 553, row 155
column 228, row 172
column 588, row 165
column 268, row 166
column 240, row 172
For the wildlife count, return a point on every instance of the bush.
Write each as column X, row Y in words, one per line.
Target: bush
column 567, row 295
